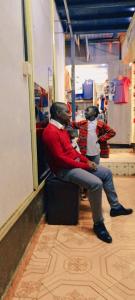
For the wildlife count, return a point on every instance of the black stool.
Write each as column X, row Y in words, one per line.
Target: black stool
column 62, row 201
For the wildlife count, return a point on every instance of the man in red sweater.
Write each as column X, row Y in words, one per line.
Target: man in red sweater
column 72, row 166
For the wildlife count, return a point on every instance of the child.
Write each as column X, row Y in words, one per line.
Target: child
column 93, row 135
column 73, row 133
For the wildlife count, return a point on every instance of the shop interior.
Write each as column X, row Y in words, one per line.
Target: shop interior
column 112, row 95
column 92, row 87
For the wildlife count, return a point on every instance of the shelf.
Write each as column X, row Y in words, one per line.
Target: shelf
column 83, row 101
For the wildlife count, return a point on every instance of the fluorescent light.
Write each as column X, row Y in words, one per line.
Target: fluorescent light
column 132, row 9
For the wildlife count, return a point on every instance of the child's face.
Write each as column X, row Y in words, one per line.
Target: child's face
column 90, row 114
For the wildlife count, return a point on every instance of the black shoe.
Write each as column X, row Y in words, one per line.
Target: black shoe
column 102, row 233
column 114, row 212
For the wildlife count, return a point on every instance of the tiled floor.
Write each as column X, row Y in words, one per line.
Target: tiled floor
column 121, row 163
column 70, row 263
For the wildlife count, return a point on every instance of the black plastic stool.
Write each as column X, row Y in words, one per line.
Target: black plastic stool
column 62, row 201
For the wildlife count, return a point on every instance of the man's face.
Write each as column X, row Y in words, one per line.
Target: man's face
column 64, row 115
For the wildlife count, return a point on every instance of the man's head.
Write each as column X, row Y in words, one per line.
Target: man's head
column 91, row 113
column 59, row 112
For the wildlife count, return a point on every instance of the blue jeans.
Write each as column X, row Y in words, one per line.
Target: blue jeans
column 94, row 181
column 95, row 158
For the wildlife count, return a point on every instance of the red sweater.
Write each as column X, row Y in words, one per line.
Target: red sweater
column 59, row 151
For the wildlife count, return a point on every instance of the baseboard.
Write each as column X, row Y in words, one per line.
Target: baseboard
column 115, row 146
column 14, row 243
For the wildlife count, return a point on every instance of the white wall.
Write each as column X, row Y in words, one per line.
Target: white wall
column 60, row 59
column 119, row 115
column 16, row 181
column 42, row 41
column 128, row 47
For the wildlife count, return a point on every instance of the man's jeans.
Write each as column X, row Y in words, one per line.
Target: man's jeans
column 95, row 158
column 94, row 181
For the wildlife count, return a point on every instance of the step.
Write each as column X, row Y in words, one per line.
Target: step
column 121, row 150
column 121, row 163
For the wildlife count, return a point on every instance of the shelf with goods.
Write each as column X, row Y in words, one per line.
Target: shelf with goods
column 82, row 104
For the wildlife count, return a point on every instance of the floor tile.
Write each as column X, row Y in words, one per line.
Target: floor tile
column 70, row 263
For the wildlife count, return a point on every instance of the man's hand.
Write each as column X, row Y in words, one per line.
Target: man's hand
column 92, row 165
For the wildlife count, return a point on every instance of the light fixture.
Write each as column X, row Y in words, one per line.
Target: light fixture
column 132, row 9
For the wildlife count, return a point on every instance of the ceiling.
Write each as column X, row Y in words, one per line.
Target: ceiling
column 100, row 20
